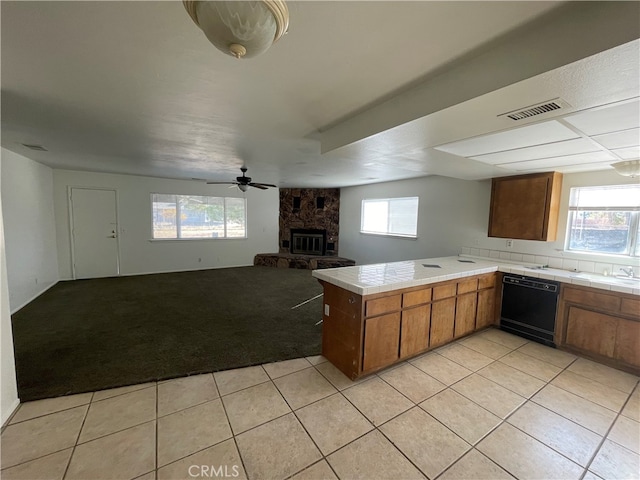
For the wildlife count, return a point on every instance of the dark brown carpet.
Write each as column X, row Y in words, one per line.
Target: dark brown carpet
column 87, row 335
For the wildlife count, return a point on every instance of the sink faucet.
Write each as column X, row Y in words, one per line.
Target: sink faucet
column 628, row 271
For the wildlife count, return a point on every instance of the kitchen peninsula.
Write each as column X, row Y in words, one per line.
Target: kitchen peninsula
column 377, row 315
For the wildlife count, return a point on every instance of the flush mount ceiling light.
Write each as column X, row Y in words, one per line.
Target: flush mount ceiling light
column 628, row 168
column 239, row 28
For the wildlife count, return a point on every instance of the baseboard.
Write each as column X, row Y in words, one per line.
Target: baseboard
column 12, row 411
column 33, row 297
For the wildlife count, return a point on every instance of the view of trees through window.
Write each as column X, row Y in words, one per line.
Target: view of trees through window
column 194, row 216
column 605, row 219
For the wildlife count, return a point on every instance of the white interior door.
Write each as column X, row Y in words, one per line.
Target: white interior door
column 94, row 230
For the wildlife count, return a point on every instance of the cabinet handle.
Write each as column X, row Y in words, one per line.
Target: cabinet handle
column 352, row 300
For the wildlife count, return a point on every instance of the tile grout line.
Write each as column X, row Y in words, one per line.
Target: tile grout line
column 505, row 419
column 377, row 427
column 606, row 435
column 56, row 451
column 73, row 451
column 47, row 414
column 233, row 435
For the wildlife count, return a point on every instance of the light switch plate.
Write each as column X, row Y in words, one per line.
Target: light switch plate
column 326, row 309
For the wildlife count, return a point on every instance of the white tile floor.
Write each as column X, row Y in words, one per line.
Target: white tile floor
column 490, row 406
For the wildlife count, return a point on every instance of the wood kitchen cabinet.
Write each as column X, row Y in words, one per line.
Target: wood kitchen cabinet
column 414, row 331
column 466, row 307
column 443, row 315
column 525, row 206
column 600, row 324
column 381, row 341
column 363, row 334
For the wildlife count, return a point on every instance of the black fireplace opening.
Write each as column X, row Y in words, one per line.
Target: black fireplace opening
column 308, row 241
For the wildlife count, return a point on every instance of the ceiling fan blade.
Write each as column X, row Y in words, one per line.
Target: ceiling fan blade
column 222, row 183
column 259, row 185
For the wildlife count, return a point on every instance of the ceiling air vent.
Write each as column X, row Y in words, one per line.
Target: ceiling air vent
column 37, row 148
column 538, row 109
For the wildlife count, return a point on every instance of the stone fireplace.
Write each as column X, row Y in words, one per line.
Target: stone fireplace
column 308, row 233
column 314, row 215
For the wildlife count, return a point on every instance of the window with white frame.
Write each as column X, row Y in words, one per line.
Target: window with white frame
column 195, row 216
column 604, row 219
column 390, row 216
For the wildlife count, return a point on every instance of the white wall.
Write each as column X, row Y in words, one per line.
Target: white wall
column 139, row 255
column 29, row 225
column 8, row 387
column 451, row 213
column 556, row 249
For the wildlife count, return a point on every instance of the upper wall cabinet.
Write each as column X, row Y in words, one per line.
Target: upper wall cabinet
column 525, row 206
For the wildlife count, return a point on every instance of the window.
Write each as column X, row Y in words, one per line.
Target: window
column 191, row 216
column 604, row 220
column 390, row 216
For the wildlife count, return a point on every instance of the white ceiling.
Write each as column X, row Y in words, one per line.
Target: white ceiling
column 385, row 90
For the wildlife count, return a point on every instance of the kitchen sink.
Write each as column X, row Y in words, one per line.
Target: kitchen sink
column 594, row 277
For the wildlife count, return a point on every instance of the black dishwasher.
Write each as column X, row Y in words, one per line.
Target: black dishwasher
column 529, row 307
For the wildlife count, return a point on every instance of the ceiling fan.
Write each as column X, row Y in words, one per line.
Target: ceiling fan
column 244, row 182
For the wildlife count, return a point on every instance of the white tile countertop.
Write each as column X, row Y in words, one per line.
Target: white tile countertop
column 385, row 277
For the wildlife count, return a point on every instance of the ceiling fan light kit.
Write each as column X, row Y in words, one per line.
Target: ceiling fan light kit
column 242, row 29
column 628, row 168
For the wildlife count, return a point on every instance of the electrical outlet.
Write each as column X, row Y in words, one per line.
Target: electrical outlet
column 509, row 243
column 326, row 309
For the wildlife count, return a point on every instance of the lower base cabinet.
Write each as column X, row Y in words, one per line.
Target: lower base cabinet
column 466, row 308
column 591, row 331
column 486, row 311
column 628, row 342
column 381, row 340
column 414, row 331
column 600, row 324
column 443, row 315
column 363, row 334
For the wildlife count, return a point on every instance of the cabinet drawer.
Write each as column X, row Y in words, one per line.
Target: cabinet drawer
column 444, row 291
column 466, row 286
column 630, row 306
column 418, row 297
column 592, row 299
column 487, row 281
column 383, row 305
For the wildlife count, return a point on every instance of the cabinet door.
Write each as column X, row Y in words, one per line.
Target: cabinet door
column 591, row 331
column 525, row 206
column 486, row 308
column 381, row 341
column 628, row 342
column 465, row 314
column 442, row 320
column 414, row 333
